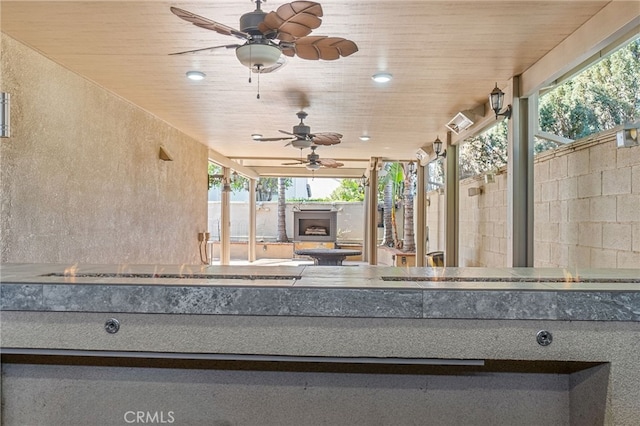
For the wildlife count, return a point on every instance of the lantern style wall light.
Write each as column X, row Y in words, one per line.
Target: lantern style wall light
column 437, row 148
column 219, row 178
column 496, row 99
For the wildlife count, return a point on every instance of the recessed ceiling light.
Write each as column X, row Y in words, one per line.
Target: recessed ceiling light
column 256, row 136
column 365, row 138
column 382, row 77
column 196, row 75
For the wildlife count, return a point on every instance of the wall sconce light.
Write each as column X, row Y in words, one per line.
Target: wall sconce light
column 164, row 154
column 364, row 180
column 412, row 167
column 437, row 148
column 217, row 179
column 496, row 98
column 5, row 103
column 628, row 136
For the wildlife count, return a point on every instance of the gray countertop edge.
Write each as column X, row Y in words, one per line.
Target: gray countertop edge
column 416, row 303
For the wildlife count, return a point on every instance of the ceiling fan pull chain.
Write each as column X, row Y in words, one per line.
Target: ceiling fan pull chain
column 250, row 61
column 258, row 96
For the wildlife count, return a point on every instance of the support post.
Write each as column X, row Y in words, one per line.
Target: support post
column 420, row 216
column 520, row 181
column 225, row 219
column 451, row 188
column 372, row 209
column 251, row 252
column 366, row 218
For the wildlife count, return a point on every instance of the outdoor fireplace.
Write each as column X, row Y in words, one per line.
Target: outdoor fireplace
column 315, row 225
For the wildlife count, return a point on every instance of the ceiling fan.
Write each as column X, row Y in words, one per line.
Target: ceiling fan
column 314, row 162
column 302, row 136
column 267, row 36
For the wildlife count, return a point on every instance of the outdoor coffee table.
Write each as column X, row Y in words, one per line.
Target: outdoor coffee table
column 328, row 257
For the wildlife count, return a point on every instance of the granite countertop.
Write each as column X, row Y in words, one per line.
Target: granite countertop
column 325, row 291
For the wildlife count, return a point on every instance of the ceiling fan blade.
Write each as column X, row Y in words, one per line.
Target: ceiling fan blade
column 328, row 138
column 271, row 139
column 202, row 22
column 204, row 49
column 295, row 164
column 330, row 163
column 293, row 20
column 286, row 133
column 320, row 47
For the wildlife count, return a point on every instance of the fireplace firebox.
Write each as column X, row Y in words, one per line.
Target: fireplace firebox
column 315, row 225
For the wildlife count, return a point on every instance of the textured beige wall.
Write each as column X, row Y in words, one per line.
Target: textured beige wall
column 586, row 209
column 81, row 176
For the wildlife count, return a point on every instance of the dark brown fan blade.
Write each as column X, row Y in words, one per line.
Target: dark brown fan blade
column 292, row 20
column 321, row 47
column 226, row 46
column 330, row 163
column 327, row 138
column 201, row 21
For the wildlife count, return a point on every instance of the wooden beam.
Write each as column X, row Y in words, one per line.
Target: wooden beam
column 218, row 158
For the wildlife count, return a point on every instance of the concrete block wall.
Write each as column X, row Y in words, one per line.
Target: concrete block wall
column 586, row 209
column 587, row 205
column 483, row 235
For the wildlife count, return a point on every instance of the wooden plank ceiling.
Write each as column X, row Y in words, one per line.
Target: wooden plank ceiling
column 445, row 56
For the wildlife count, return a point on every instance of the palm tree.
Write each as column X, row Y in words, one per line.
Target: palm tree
column 282, row 226
column 397, row 185
column 408, row 240
column 391, row 185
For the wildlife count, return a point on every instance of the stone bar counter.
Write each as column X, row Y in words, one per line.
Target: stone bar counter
column 307, row 345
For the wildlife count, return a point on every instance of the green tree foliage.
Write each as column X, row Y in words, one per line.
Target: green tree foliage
column 266, row 188
column 349, row 190
column 484, row 152
column 603, row 96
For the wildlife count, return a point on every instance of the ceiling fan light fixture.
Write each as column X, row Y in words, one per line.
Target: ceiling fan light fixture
column 365, row 138
column 382, row 77
column 301, row 143
column 256, row 136
column 258, row 55
column 313, row 166
column 196, row 75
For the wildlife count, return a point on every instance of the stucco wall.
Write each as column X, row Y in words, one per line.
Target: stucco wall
column 81, row 176
column 586, row 209
column 350, row 219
